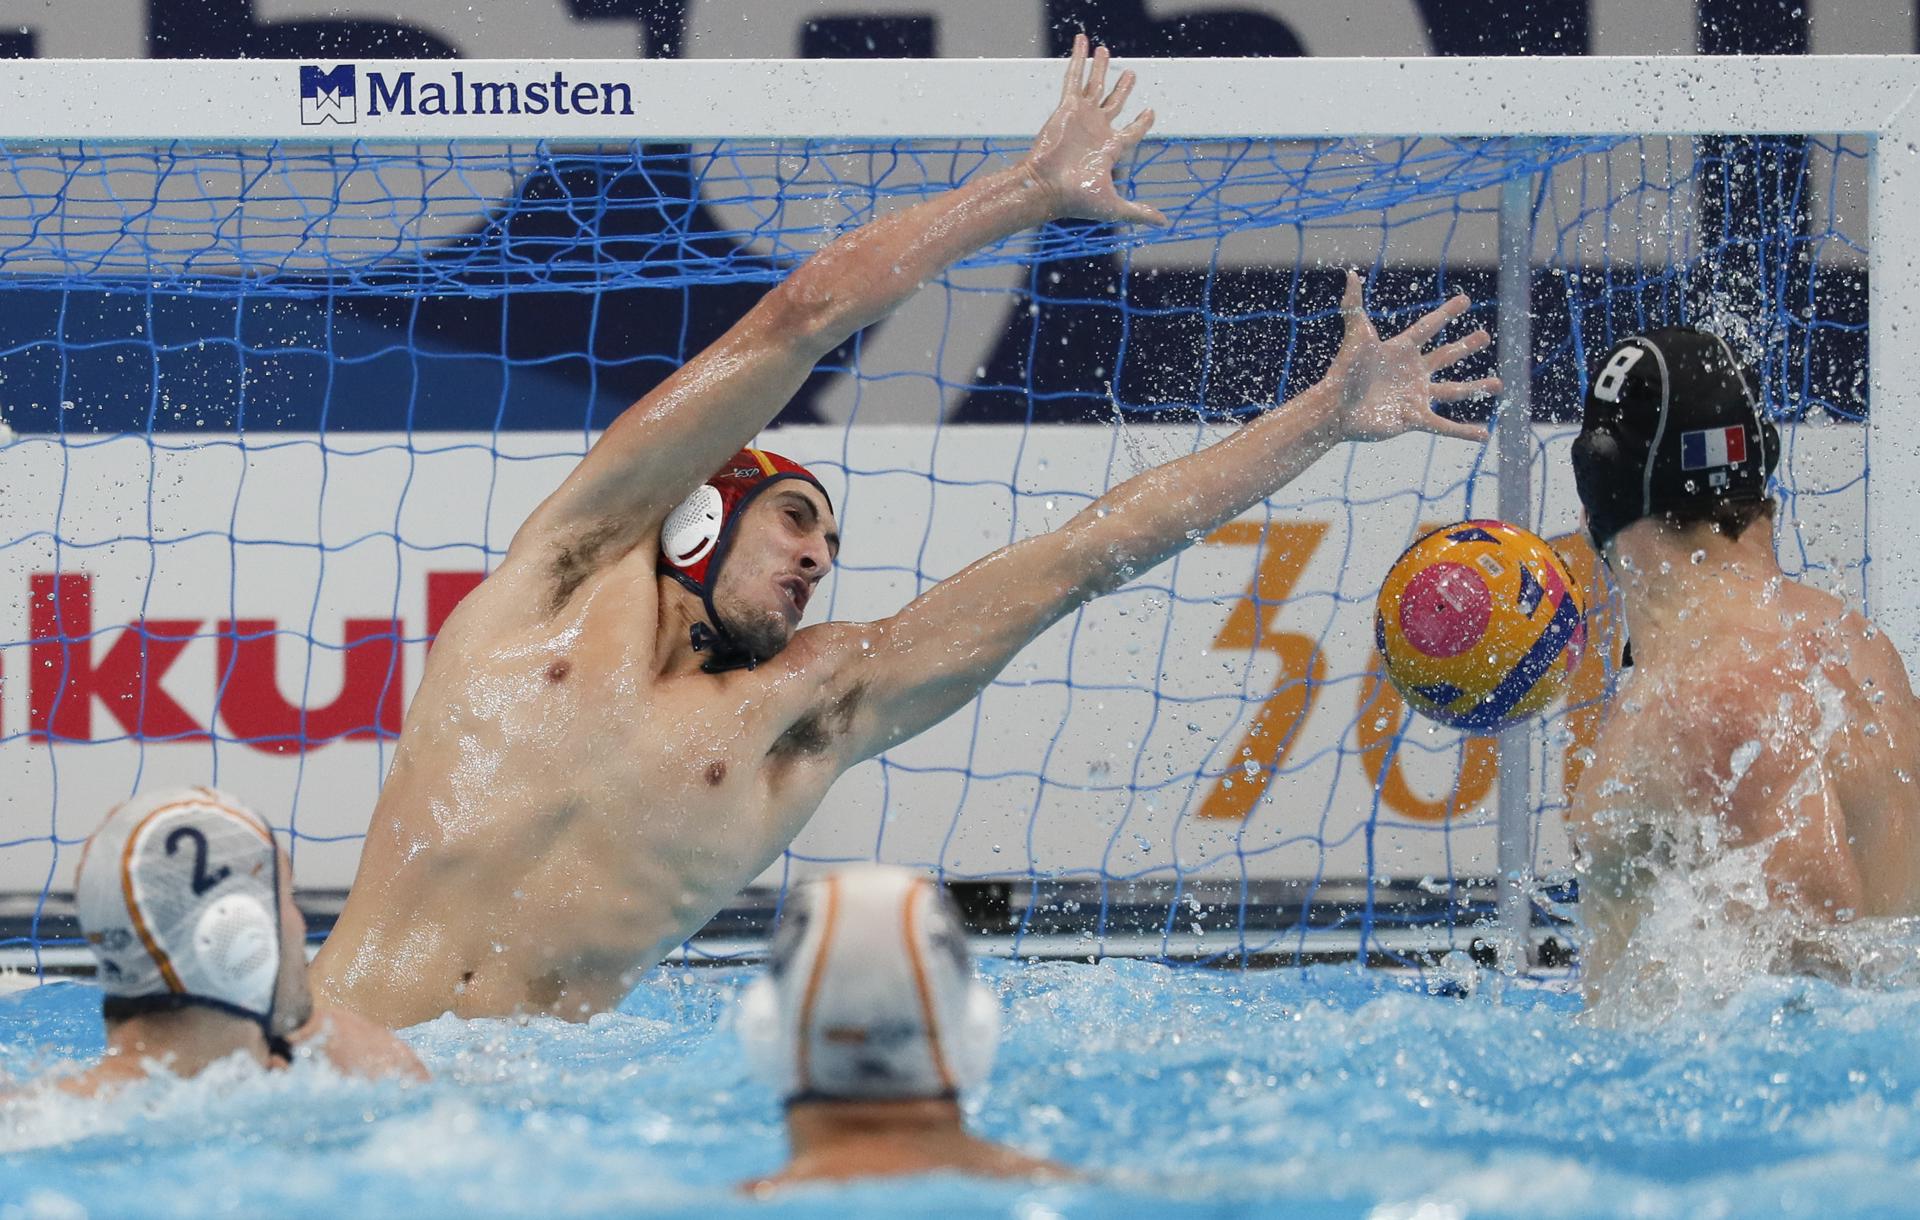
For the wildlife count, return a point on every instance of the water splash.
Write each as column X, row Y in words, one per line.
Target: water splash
column 1185, row 1092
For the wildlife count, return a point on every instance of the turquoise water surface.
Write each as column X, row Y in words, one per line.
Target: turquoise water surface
column 1182, row 1092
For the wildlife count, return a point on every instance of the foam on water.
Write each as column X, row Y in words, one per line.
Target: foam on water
column 1186, row 1093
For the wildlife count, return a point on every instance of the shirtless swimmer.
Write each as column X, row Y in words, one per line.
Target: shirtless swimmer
column 1760, row 715
column 620, row 727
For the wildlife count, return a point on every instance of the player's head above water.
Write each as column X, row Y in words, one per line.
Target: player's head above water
column 751, row 543
column 1673, row 431
column 870, row 995
column 187, row 902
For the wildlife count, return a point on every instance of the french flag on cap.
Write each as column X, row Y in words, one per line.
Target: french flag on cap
column 1712, row 447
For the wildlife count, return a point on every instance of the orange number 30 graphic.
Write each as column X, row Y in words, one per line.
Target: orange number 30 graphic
column 1253, row 623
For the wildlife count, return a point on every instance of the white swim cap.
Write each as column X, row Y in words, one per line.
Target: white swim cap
column 179, row 900
column 870, row 994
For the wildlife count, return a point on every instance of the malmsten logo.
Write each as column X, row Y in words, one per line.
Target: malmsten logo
column 327, row 97
column 335, row 96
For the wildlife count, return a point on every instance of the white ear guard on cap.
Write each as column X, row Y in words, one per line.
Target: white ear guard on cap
column 870, row 995
column 178, row 895
column 691, row 530
column 236, row 951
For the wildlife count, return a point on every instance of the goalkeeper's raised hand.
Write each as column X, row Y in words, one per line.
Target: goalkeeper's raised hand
column 1074, row 155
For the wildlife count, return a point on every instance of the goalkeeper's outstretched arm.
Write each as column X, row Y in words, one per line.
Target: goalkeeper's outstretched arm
column 660, row 448
column 907, row 673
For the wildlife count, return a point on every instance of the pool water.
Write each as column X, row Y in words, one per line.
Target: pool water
column 1184, row 1092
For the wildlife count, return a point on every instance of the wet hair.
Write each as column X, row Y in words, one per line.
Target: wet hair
column 1732, row 517
column 1728, row 518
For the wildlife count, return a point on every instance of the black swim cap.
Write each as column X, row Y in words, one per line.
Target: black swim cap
column 1672, row 427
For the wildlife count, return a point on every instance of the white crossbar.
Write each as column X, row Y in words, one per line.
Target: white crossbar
column 897, row 99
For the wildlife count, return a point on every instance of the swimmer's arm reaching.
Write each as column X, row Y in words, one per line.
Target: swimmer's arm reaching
column 660, row 448
column 909, row 672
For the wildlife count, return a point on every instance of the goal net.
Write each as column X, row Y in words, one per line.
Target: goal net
column 277, row 403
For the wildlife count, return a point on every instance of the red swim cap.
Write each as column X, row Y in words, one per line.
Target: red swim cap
column 695, row 536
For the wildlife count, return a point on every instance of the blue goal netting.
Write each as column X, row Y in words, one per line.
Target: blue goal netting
column 274, row 410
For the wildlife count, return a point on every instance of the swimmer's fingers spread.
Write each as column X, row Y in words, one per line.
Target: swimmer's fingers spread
column 1386, row 387
column 1353, row 309
column 1144, row 214
column 1435, row 321
column 1458, row 391
column 1134, row 132
column 1097, row 78
column 1076, row 70
column 1440, row 425
column 1130, row 136
column 1449, row 354
column 1074, row 157
column 1461, row 391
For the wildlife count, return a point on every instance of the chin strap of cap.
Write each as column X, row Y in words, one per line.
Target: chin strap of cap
column 119, row 1008
column 723, row 651
column 811, row 1097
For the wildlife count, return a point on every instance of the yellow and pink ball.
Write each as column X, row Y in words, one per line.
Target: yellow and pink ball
column 1478, row 625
